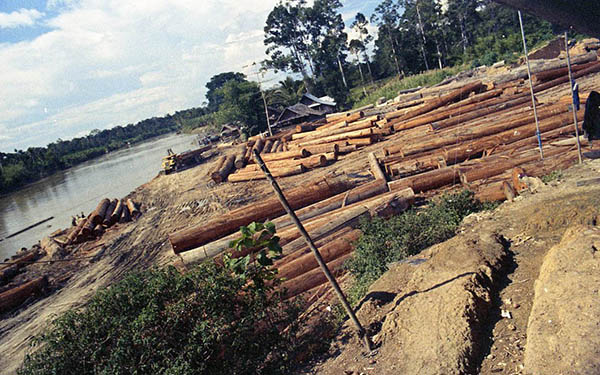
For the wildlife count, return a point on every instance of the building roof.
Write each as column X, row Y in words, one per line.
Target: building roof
column 303, row 109
column 297, row 111
column 325, row 100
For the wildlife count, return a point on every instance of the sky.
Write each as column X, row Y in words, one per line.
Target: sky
column 70, row 66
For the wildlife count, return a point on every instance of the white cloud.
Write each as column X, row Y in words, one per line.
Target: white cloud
column 112, row 62
column 18, row 18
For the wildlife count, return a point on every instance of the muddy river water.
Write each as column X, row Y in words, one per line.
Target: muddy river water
column 79, row 189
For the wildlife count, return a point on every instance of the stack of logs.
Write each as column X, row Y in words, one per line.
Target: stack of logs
column 107, row 213
column 476, row 136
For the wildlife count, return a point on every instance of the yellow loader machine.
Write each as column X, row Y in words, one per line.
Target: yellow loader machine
column 174, row 162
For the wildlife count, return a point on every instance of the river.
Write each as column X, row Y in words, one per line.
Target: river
column 79, row 189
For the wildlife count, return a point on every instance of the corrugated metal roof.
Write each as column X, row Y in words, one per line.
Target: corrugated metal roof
column 326, row 100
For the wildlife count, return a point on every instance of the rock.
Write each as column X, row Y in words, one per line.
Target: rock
column 506, row 314
column 512, row 327
column 562, row 333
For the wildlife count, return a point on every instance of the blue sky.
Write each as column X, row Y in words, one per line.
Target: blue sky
column 70, row 66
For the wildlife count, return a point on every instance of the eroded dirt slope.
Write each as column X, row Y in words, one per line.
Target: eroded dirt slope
column 463, row 306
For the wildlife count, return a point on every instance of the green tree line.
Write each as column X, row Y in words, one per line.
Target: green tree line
column 402, row 37
column 24, row 166
column 412, row 36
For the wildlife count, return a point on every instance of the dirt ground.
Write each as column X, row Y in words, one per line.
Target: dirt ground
column 464, row 306
column 169, row 203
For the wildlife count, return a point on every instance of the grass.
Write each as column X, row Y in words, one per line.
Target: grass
column 553, row 176
column 387, row 241
column 390, row 87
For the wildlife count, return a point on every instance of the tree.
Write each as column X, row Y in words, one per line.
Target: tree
column 462, row 22
column 286, row 38
column 216, row 83
column 355, row 47
column 288, row 93
column 360, row 25
column 241, row 101
column 386, row 16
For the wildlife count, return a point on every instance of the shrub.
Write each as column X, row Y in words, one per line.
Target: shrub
column 552, row 176
column 207, row 321
column 386, row 241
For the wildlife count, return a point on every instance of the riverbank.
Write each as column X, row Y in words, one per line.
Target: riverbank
column 6, row 190
column 169, row 203
column 76, row 190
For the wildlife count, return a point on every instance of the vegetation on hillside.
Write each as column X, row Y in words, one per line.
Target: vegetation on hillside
column 390, row 240
column 210, row 320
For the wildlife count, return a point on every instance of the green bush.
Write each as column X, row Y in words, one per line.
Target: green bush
column 207, row 321
column 386, row 241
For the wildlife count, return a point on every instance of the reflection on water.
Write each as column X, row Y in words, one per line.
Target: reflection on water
column 79, row 189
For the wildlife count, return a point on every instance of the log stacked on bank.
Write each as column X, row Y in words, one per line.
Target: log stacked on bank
column 472, row 135
column 107, row 213
column 14, row 297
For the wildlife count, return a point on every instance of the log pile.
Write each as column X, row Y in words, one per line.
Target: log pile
column 107, row 213
column 472, row 135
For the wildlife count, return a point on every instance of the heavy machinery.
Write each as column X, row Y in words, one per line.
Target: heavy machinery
column 174, row 162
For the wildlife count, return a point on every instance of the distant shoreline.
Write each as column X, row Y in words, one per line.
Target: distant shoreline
column 10, row 191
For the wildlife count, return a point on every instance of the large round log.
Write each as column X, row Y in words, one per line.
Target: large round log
column 230, row 222
column 259, row 145
column 339, row 137
column 312, row 278
column 347, row 116
column 74, row 232
column 291, row 256
column 298, row 153
column 323, row 148
column 100, row 211
column 329, row 252
column 376, row 168
column 126, row 216
column 240, row 157
column 268, row 146
column 259, row 175
column 221, row 174
column 14, row 297
column 133, row 209
column 549, row 75
column 308, row 162
column 304, row 128
column 107, row 216
column 216, row 165
column 427, row 181
column 88, row 228
column 116, row 215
